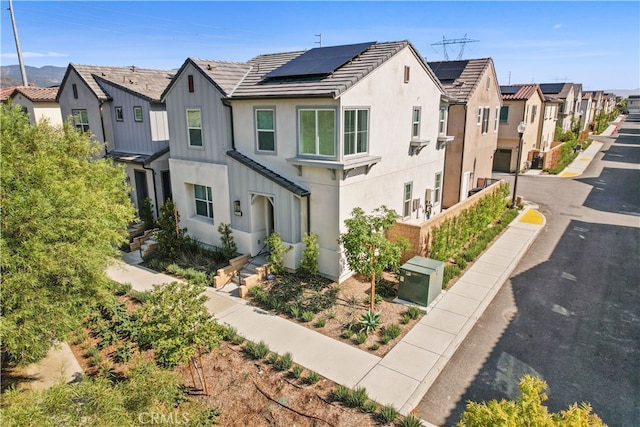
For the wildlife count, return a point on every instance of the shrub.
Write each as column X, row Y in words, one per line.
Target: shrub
column 450, row 272
column 273, row 357
column 340, row 394
column 370, row 320
column 369, row 407
column 387, row 414
column 194, row 276
column 347, row 333
column 237, row 340
column 309, row 262
column 414, row 312
column 312, row 378
column 361, row 337
column 321, row 322
column 296, row 372
column 357, row 397
column 277, row 251
column 307, row 316
column 79, row 338
column 374, row 346
column 386, row 289
column 377, row 299
column 141, row 296
column 410, row 421
column 124, row 353
column 146, row 213
column 406, row 318
column 295, row 311
column 120, row 289
column 392, row 331
column 256, row 351
column 229, row 248
column 284, row 363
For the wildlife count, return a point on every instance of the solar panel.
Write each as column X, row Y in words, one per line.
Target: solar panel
column 509, row 90
column 319, row 61
column 551, row 87
column 448, row 70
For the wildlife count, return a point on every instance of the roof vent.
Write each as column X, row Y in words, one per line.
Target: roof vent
column 133, row 68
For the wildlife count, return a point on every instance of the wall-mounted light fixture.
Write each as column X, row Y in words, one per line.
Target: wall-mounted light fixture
column 236, row 208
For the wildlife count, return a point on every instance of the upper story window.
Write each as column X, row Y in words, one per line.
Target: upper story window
column 504, row 114
column 137, row 114
column 495, row 120
column 415, row 123
column 356, row 131
column 81, row 120
column 534, row 110
column 317, row 132
column 485, row 119
column 266, row 130
column 479, row 120
column 407, row 73
column 437, row 188
column 194, row 128
column 190, row 83
column 204, row 200
column 74, row 88
column 119, row 114
column 442, row 124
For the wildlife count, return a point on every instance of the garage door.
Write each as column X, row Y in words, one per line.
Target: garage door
column 502, row 160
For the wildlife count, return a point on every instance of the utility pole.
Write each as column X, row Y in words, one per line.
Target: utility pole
column 15, row 35
column 463, row 41
column 319, row 42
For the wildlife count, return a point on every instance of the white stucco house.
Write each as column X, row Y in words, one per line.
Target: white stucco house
column 569, row 99
column 293, row 142
column 39, row 103
column 633, row 103
column 121, row 107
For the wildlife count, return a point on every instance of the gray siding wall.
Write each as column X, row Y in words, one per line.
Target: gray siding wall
column 287, row 208
column 216, row 119
column 131, row 136
column 87, row 100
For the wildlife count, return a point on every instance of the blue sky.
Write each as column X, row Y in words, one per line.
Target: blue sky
column 593, row 43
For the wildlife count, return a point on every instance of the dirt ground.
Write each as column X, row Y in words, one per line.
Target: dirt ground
column 352, row 301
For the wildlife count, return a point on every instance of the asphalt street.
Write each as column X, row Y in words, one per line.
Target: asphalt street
column 570, row 311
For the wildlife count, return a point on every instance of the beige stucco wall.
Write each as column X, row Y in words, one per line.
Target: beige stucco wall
column 39, row 111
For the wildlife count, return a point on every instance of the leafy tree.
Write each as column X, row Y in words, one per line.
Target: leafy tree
column 146, row 214
column 309, row 262
column 527, row 410
column 176, row 323
column 366, row 246
column 171, row 238
column 64, row 213
column 229, row 248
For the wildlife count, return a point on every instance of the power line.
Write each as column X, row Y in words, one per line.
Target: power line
column 446, row 42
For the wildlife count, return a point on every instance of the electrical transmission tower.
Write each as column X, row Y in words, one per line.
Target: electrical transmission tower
column 445, row 42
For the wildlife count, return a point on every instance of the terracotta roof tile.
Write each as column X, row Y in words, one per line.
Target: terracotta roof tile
column 519, row 92
column 37, row 94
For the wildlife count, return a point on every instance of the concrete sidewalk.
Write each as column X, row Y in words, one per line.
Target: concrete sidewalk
column 404, row 375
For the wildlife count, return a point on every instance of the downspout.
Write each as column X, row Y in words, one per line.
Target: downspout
column 233, row 138
column 104, row 135
column 155, row 191
column 309, row 213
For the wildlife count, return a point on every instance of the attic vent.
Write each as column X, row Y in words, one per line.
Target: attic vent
column 209, row 67
column 103, row 73
column 133, row 68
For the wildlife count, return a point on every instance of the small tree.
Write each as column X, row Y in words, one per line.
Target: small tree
column 527, row 410
column 366, row 246
column 171, row 238
column 146, row 213
column 309, row 263
column 176, row 323
column 277, row 251
column 229, row 248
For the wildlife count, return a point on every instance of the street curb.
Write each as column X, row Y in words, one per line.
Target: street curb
column 428, row 381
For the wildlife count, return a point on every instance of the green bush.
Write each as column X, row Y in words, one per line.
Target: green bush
column 194, row 276
column 124, row 352
column 450, row 272
column 296, row 371
column 307, row 316
column 312, row 378
column 357, row 397
column 273, row 357
column 406, row 318
column 284, row 363
column 321, row 322
column 295, row 311
column 374, row 346
column 413, row 312
column 361, row 337
column 340, row 394
column 277, row 251
column 387, row 414
column 410, row 421
column 146, row 213
column 347, row 333
column 141, row 297
column 229, row 247
column 370, row 320
column 309, row 262
column 256, row 351
column 392, row 331
column 369, row 407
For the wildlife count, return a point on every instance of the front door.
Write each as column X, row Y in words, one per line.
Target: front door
column 142, row 192
column 263, row 221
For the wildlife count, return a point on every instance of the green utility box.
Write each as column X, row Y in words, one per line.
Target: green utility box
column 420, row 280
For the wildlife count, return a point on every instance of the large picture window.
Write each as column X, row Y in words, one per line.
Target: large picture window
column 204, row 201
column 317, row 132
column 356, row 131
column 266, row 130
column 81, row 120
column 194, row 126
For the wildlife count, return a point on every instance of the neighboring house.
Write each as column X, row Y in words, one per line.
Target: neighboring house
column 293, row 142
column 633, row 104
column 474, row 113
column 521, row 103
column 549, row 124
column 39, row 103
column 121, row 107
column 568, row 96
column 610, row 102
column 586, row 110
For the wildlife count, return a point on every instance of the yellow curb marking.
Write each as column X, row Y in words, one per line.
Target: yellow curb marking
column 532, row 217
column 568, row 174
column 585, row 159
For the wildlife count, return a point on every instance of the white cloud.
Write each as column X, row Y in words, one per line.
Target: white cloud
column 35, row 55
column 557, row 26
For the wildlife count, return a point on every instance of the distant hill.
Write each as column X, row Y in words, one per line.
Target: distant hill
column 43, row 77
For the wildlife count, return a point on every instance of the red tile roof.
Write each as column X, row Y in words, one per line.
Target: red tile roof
column 37, row 94
column 520, row 92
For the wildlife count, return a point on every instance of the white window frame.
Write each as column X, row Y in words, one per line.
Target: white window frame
column 81, row 124
column 415, row 123
column 317, row 135
column 265, row 130
column 486, row 111
column 357, row 132
column 137, row 113
column 207, row 201
column 495, row 121
column 437, row 187
column 189, row 128
column 442, row 120
column 119, row 114
column 506, row 108
column 407, row 199
column 479, row 121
